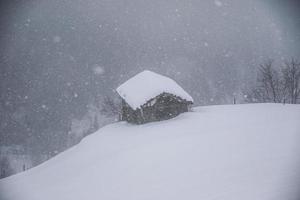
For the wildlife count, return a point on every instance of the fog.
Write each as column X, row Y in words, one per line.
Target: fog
column 60, row 58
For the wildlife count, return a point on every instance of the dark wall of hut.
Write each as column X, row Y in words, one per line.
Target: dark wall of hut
column 162, row 107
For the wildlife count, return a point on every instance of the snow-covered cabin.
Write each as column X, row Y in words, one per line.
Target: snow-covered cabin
column 149, row 96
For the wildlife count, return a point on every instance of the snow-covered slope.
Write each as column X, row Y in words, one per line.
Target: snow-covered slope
column 217, row 152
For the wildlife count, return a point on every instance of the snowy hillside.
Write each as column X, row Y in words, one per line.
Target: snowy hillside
column 216, row 152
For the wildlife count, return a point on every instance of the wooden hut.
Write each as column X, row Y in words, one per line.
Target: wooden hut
column 149, row 97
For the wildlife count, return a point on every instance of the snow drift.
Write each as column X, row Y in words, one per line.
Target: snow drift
column 216, row 152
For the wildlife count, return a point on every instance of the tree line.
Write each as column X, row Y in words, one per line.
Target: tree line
column 276, row 84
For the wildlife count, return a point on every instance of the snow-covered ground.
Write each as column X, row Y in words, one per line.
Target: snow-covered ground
column 216, row 152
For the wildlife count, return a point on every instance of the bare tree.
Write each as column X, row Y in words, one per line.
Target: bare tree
column 276, row 85
column 291, row 80
column 110, row 107
column 5, row 167
column 269, row 87
column 256, row 95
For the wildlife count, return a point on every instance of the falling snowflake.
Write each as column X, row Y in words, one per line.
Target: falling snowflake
column 218, row 3
column 44, row 106
column 56, row 39
column 98, row 70
column 206, row 44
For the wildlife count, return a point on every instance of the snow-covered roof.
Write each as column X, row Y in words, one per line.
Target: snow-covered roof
column 147, row 85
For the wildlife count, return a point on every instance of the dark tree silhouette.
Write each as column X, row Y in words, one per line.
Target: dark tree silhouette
column 5, row 168
column 110, row 107
column 268, row 88
column 275, row 85
column 291, row 80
